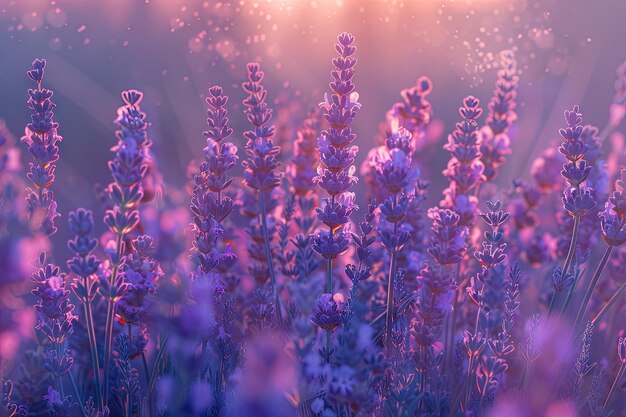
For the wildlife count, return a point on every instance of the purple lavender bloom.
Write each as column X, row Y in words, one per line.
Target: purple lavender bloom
column 337, row 153
column 495, row 141
column 437, row 282
column 492, row 253
column 329, row 311
column 447, row 245
column 465, row 169
column 578, row 198
column 7, row 406
column 260, row 167
column 335, row 173
column 415, row 112
column 42, row 140
column 128, row 169
column 129, row 166
column 83, row 264
column 301, row 170
column 141, row 273
column 55, row 311
column 392, row 164
column 613, row 218
column 60, row 406
column 209, row 206
column 561, row 281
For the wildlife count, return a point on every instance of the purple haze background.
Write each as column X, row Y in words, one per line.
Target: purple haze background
column 566, row 53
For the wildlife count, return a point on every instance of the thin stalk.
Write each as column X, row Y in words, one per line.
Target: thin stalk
column 78, row 398
column 59, row 347
column 571, row 292
column 572, row 246
column 555, row 294
column 329, row 287
column 145, row 366
column 390, row 279
column 108, row 337
column 93, row 347
column 618, row 377
column 608, row 305
column 157, row 361
column 568, row 263
column 268, row 259
column 590, row 288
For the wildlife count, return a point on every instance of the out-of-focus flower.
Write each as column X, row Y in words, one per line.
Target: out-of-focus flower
column 495, row 141
column 465, row 169
column 42, row 140
column 613, row 218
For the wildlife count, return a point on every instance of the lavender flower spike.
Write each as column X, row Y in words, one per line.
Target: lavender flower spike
column 42, row 140
column 128, row 168
column 577, row 197
column 337, row 153
column 209, row 205
column 495, row 142
column 465, row 169
column 260, row 166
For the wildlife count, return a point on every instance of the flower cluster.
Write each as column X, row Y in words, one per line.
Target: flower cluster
column 495, row 142
column 577, row 199
column 42, row 140
column 465, row 169
column 329, row 311
column 416, row 326
column 128, row 169
column 55, row 311
column 414, row 112
column 209, row 204
column 437, row 281
column 336, row 171
column 141, row 273
column 263, row 155
column 613, row 218
column 301, row 170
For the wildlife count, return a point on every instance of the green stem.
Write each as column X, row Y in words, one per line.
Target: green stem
column 568, row 263
column 590, row 288
column 92, row 343
column 572, row 246
column 145, row 366
column 78, row 397
column 619, row 375
column 390, row 279
column 268, row 259
column 608, row 305
column 108, row 337
column 553, row 302
column 329, row 288
column 60, row 379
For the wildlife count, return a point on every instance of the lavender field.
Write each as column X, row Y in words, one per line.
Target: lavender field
column 312, row 208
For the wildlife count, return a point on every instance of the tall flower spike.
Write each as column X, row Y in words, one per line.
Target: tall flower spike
column 578, row 198
column 336, row 171
column 495, row 141
column 209, row 205
column 128, row 169
column 42, row 140
column 262, row 154
column 260, row 166
column 465, row 170
column 414, row 113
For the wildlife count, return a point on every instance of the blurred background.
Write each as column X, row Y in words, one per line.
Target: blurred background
column 173, row 50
